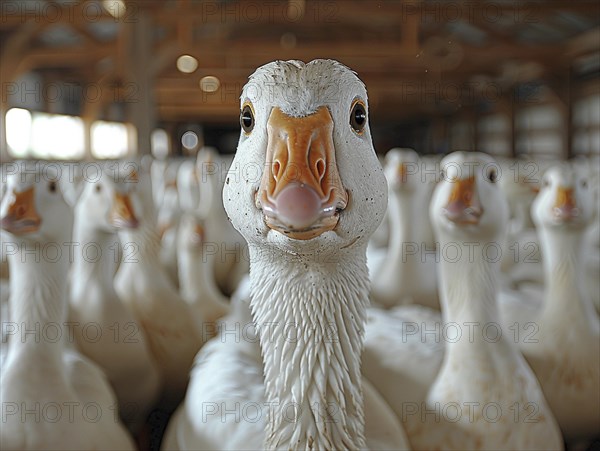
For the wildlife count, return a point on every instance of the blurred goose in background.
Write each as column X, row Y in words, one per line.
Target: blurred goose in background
column 121, row 348
column 467, row 211
column 157, row 181
column 196, row 264
column 173, row 329
column 407, row 275
column 41, row 371
column 521, row 259
column 227, row 245
column 168, row 218
column 307, row 238
column 564, row 351
column 590, row 169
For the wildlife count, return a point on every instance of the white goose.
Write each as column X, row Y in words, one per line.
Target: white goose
column 228, row 246
column 172, row 328
column 521, row 261
column 408, row 273
column 565, row 351
column 484, row 395
column 307, row 233
column 59, row 399
column 168, row 218
column 195, row 243
column 196, row 269
column 120, row 348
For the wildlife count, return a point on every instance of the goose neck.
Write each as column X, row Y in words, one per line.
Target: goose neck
column 310, row 317
column 469, row 281
column 94, row 262
column 562, row 252
column 38, row 290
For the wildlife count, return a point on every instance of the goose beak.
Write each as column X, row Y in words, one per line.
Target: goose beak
column 197, row 236
column 463, row 205
column 122, row 215
column 21, row 216
column 565, row 206
column 402, row 173
column 301, row 192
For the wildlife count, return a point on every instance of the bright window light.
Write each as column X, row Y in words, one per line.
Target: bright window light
column 159, row 144
column 18, row 132
column 54, row 136
column 111, row 139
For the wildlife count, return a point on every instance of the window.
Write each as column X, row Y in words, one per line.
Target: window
column 112, row 139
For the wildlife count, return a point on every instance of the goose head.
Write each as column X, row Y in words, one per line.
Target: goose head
column 34, row 206
column 402, row 170
column 131, row 195
column 467, row 202
column 305, row 175
column 102, row 207
column 565, row 201
column 193, row 230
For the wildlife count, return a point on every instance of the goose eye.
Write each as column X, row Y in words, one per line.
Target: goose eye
column 52, row 186
column 492, row 175
column 584, row 183
column 247, row 119
column 358, row 117
column 545, row 182
column 98, row 188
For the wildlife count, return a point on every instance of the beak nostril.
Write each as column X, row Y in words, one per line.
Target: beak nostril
column 276, row 167
column 320, row 167
column 21, row 210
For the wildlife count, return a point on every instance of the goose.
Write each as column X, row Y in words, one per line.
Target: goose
column 307, row 235
column 565, row 350
column 168, row 218
column 196, row 269
column 52, row 397
column 121, row 348
column 195, row 262
column 591, row 170
column 230, row 249
column 521, row 260
column 408, row 274
column 484, row 395
column 173, row 329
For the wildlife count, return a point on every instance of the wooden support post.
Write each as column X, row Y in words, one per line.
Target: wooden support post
column 141, row 109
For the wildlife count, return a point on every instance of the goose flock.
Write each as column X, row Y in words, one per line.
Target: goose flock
column 303, row 295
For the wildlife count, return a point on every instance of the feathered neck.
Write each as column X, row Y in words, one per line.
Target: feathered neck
column 310, row 316
column 469, row 288
column 95, row 262
column 142, row 244
column 566, row 290
column 38, row 290
column 407, row 216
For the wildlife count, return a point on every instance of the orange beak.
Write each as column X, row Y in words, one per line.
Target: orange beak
column 301, row 192
column 122, row 214
column 197, row 237
column 402, row 172
column 22, row 217
column 565, row 205
column 463, row 204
